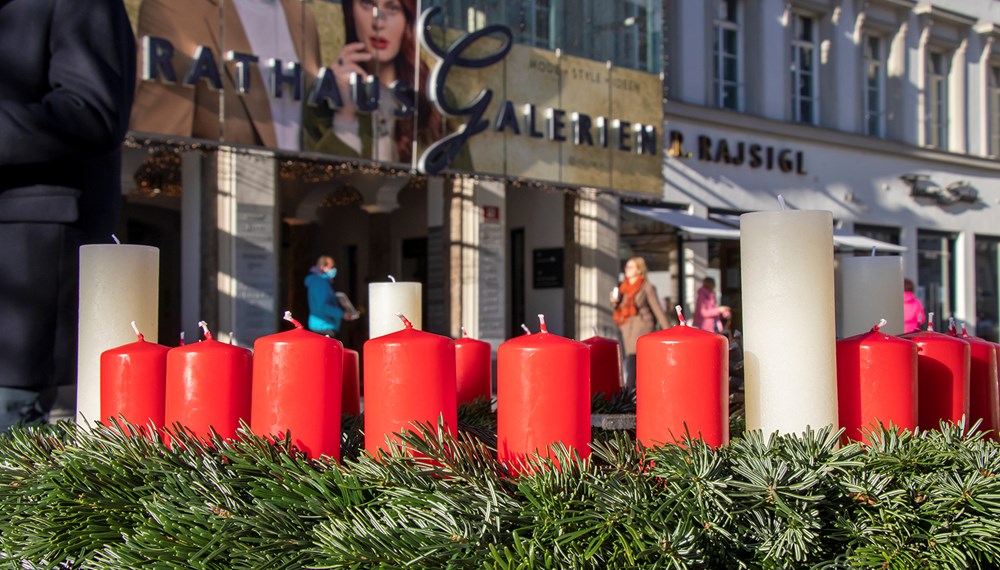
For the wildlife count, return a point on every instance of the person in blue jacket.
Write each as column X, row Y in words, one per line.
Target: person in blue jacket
column 325, row 312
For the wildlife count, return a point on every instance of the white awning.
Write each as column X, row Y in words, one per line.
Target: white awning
column 846, row 240
column 686, row 222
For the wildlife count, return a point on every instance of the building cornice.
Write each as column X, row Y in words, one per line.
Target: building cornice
column 724, row 119
column 946, row 16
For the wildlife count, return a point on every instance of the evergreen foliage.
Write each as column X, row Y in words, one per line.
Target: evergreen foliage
column 104, row 498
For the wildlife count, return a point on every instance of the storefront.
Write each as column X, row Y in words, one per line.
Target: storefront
column 511, row 210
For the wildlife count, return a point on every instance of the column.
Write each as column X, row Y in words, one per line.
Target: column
column 594, row 246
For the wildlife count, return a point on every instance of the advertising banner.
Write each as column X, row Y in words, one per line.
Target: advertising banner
column 377, row 80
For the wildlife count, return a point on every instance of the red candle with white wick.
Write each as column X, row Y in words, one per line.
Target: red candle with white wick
column 682, row 386
column 543, row 397
column 297, row 378
column 133, row 382
column 409, row 379
column 984, row 396
column 876, row 382
column 208, row 387
column 473, row 369
column 943, row 371
column 351, row 398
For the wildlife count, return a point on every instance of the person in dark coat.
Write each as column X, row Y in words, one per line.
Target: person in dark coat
column 67, row 77
column 637, row 311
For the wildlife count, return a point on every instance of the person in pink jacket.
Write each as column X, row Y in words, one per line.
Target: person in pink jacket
column 706, row 312
column 913, row 309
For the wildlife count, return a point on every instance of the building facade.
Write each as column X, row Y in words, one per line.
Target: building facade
column 884, row 112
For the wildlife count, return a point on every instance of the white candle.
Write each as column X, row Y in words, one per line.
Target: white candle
column 789, row 327
column 385, row 300
column 118, row 284
column 872, row 289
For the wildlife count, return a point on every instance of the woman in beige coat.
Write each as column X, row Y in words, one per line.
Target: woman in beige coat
column 637, row 311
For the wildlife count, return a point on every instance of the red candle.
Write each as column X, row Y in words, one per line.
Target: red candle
column 351, row 395
column 409, row 378
column 208, row 386
column 605, row 366
column 942, row 377
column 133, row 382
column 543, row 397
column 876, row 382
column 297, row 389
column 473, row 369
column 682, row 386
column 984, row 395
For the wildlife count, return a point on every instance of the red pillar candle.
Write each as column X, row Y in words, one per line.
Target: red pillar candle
column 543, row 396
column 297, row 388
column 876, row 382
column 473, row 369
column 208, row 386
column 605, row 366
column 133, row 382
column 682, row 386
column 409, row 378
column 351, row 394
column 942, row 377
column 984, row 396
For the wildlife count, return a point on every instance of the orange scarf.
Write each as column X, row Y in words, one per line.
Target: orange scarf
column 626, row 307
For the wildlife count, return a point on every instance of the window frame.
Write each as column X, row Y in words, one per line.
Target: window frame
column 993, row 108
column 797, row 46
column 720, row 26
column 879, row 62
column 936, row 99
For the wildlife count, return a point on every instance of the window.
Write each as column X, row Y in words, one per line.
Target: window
column 987, row 287
column 629, row 33
column 937, row 100
column 995, row 110
column 803, row 69
column 936, row 274
column 874, row 95
column 887, row 234
column 726, row 54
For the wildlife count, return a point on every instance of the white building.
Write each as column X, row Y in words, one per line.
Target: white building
column 885, row 112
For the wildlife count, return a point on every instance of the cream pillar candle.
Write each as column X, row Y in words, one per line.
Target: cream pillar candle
column 789, row 328
column 385, row 300
column 118, row 284
column 871, row 289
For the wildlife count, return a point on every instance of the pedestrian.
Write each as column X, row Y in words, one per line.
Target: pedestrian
column 637, row 311
column 913, row 309
column 707, row 314
column 67, row 77
column 325, row 312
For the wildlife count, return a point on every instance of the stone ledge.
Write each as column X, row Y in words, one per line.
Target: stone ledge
column 613, row 421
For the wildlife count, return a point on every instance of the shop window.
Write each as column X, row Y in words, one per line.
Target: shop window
column 936, row 274
column 887, row 234
column 728, row 55
column 874, row 95
column 987, row 287
column 936, row 97
column 803, row 69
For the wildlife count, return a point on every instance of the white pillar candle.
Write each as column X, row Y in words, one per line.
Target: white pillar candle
column 385, row 300
column 789, row 327
column 871, row 289
column 118, row 284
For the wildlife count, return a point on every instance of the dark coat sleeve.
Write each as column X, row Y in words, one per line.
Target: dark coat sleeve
column 91, row 75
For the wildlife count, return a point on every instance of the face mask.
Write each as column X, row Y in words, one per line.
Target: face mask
column 331, row 273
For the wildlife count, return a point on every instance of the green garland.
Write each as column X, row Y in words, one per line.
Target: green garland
column 72, row 498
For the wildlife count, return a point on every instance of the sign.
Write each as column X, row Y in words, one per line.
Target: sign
column 547, row 268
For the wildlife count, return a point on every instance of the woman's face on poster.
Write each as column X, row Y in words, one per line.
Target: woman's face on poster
column 381, row 25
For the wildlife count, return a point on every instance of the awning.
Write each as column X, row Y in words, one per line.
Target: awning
column 846, row 240
column 686, row 222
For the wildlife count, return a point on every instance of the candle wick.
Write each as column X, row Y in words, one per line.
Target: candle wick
column 136, row 329
column 595, row 330
column 232, row 337
column 873, row 251
column 952, row 327
column 204, row 328
column 542, row 327
column 288, row 317
column 525, row 328
column 881, row 323
column 781, row 201
column 465, row 333
column 680, row 314
column 965, row 331
column 406, row 323
column 182, row 339
column 117, row 241
column 930, row 321
column 391, row 278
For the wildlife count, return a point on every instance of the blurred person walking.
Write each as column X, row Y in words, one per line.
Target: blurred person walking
column 637, row 311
